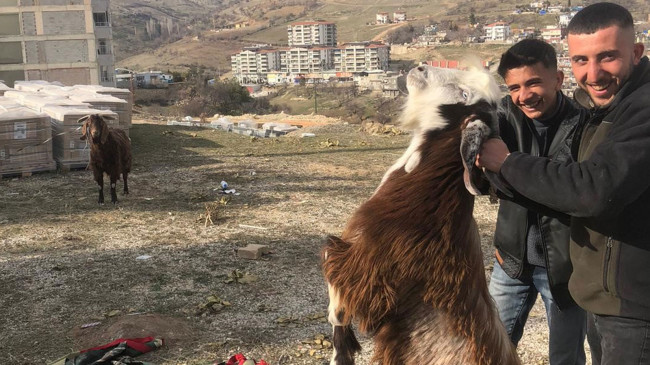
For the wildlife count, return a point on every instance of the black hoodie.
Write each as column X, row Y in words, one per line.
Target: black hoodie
column 607, row 193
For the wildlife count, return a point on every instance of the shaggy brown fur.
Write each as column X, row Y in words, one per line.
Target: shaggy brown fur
column 408, row 266
column 110, row 153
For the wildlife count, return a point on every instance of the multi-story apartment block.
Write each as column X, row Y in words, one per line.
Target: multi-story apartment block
column 382, row 18
column 399, row 16
column 499, row 31
column 552, row 34
column 259, row 64
column 316, row 33
column 361, row 56
column 564, row 19
column 68, row 41
column 301, row 60
column 253, row 63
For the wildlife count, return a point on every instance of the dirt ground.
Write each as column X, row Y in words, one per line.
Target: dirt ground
column 152, row 266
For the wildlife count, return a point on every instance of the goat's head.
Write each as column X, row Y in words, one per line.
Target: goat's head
column 94, row 128
column 443, row 99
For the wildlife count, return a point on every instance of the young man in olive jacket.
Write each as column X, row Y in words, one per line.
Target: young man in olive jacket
column 607, row 191
column 532, row 244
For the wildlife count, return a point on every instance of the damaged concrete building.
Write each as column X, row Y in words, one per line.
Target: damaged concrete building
column 69, row 41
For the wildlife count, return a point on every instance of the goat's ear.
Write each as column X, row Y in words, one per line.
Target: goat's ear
column 105, row 132
column 84, row 130
column 83, row 119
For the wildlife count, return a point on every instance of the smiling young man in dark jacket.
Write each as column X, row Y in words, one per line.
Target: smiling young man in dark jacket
column 607, row 191
column 532, row 243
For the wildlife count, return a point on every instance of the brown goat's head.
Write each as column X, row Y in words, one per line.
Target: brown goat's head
column 95, row 128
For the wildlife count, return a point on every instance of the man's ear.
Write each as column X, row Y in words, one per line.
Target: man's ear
column 638, row 52
column 560, row 79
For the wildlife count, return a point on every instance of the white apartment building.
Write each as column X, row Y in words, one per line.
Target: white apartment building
column 499, row 31
column 361, row 56
column 552, row 34
column 399, row 16
column 262, row 63
column 301, row 60
column 565, row 19
column 316, row 33
column 382, row 18
column 68, row 41
column 253, row 63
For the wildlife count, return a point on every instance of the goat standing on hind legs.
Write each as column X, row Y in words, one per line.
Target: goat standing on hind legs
column 110, row 153
column 408, row 267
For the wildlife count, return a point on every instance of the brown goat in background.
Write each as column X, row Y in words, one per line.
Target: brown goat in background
column 110, row 153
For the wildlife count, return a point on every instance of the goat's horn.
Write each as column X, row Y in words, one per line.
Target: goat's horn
column 83, row 119
column 109, row 117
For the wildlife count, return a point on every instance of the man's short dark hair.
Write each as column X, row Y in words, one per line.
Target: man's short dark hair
column 600, row 16
column 527, row 53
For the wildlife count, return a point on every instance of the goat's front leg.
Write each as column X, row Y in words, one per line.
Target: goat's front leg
column 113, row 188
column 344, row 342
column 99, row 177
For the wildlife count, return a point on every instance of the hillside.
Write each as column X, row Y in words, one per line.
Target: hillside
column 173, row 34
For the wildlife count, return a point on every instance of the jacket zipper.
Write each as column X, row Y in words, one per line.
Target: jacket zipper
column 608, row 254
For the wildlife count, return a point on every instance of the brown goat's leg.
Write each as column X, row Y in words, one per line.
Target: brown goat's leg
column 345, row 345
column 126, row 185
column 344, row 342
column 113, row 189
column 99, row 177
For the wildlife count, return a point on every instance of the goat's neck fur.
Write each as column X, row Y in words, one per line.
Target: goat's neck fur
column 425, row 258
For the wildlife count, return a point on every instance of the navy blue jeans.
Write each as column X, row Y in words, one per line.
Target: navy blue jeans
column 515, row 298
column 618, row 340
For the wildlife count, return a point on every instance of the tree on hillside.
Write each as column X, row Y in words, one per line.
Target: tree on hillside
column 404, row 34
column 222, row 97
column 472, row 16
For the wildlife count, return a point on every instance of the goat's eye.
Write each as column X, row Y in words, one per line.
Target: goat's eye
column 465, row 95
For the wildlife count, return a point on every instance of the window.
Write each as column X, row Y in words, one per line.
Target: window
column 103, row 47
column 11, row 53
column 9, row 24
column 101, row 19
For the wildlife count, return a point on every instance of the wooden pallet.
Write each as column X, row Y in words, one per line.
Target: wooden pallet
column 17, row 174
column 27, row 172
column 71, row 166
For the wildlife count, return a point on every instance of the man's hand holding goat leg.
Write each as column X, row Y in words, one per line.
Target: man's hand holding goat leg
column 493, row 153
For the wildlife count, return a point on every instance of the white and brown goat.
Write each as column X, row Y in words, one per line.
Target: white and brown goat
column 408, row 267
column 110, row 153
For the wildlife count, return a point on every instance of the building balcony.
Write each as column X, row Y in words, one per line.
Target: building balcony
column 103, row 32
column 105, row 59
